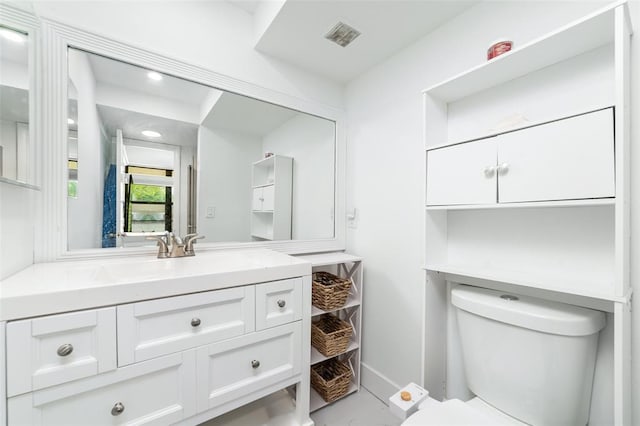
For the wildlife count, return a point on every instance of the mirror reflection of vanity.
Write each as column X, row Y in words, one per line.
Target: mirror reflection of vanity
column 15, row 145
column 149, row 153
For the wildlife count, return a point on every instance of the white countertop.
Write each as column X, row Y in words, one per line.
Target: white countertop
column 47, row 288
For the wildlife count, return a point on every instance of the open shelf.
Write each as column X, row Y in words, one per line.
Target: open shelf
column 352, row 301
column 317, row 357
column 536, row 204
column 581, row 36
column 524, row 279
column 316, row 402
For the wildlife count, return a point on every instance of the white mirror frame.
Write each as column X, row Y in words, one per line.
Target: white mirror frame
column 51, row 229
column 26, row 22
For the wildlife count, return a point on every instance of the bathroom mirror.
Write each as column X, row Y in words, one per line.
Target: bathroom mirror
column 15, row 145
column 148, row 152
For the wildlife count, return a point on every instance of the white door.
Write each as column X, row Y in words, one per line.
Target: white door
column 257, row 199
column 268, row 200
column 563, row 160
column 156, row 392
column 230, row 369
column 462, row 174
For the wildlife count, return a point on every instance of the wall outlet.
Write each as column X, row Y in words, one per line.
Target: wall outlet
column 211, row 212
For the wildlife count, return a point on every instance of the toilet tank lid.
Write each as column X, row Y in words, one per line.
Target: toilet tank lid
column 528, row 312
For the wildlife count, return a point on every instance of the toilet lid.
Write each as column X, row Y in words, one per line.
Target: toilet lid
column 451, row 412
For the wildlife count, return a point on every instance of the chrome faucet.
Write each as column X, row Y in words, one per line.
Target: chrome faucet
column 171, row 245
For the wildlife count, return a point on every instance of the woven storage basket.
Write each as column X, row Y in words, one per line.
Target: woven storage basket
column 329, row 291
column 330, row 335
column 330, row 379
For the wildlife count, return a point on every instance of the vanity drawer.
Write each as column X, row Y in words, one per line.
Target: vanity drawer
column 278, row 303
column 233, row 368
column 47, row 351
column 158, row 327
column 159, row 392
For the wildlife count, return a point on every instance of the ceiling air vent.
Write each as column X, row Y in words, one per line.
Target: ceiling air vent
column 342, row 34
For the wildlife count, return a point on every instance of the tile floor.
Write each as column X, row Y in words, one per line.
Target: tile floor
column 358, row 409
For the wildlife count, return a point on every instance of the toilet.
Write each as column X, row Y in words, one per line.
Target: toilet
column 527, row 360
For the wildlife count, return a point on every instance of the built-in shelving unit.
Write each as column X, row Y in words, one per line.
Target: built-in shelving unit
column 575, row 248
column 272, row 179
column 346, row 266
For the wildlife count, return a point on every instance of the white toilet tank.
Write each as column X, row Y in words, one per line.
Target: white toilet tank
column 530, row 358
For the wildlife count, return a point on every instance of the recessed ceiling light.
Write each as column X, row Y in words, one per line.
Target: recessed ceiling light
column 70, row 121
column 12, row 35
column 151, row 134
column 154, row 75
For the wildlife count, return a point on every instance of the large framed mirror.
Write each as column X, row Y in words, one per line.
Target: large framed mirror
column 149, row 151
column 17, row 151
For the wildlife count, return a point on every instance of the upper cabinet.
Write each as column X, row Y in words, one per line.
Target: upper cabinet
column 271, row 209
column 568, row 159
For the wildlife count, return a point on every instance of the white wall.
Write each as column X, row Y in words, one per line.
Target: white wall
column 215, row 35
column 84, row 216
column 17, row 215
column 224, row 163
column 310, row 142
column 385, row 164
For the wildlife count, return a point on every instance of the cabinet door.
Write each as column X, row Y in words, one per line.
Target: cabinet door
column 156, row 392
column 227, row 370
column 256, row 204
column 462, row 174
column 278, row 303
column 55, row 349
column 566, row 159
column 268, row 200
column 159, row 327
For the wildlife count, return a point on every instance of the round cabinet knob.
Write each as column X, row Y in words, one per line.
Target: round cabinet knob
column 255, row 363
column 281, row 303
column 489, row 171
column 117, row 409
column 503, row 169
column 195, row 322
column 65, row 349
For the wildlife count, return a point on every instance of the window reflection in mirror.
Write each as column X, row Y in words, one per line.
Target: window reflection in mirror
column 262, row 172
column 15, row 148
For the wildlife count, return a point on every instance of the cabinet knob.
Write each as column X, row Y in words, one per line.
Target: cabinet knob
column 281, row 303
column 255, row 363
column 503, row 169
column 489, row 171
column 195, row 322
column 117, row 409
column 65, row 349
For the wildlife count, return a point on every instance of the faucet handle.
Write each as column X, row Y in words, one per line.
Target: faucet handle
column 163, row 244
column 188, row 243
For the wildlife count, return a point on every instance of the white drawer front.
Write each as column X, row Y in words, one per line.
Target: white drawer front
column 227, row 370
column 159, row 327
column 278, row 303
column 47, row 351
column 156, row 392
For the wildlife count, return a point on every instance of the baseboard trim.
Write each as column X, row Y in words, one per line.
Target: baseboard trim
column 377, row 383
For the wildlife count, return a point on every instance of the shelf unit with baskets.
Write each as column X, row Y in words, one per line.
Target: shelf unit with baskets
column 349, row 267
column 271, row 187
column 524, row 225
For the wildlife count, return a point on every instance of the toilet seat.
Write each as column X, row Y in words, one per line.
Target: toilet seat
column 458, row 413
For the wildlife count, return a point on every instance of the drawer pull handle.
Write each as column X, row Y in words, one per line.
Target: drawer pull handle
column 65, row 349
column 281, row 303
column 195, row 322
column 255, row 363
column 117, row 409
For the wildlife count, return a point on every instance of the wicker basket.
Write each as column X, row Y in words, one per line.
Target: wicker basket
column 329, row 291
column 330, row 335
column 331, row 379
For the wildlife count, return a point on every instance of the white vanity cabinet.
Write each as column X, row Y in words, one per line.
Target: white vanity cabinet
column 234, row 337
column 567, row 159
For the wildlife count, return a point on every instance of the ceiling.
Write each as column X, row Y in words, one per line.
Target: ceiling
column 296, row 34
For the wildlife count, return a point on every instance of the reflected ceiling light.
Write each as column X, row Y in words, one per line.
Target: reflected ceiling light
column 70, row 121
column 12, row 35
column 154, row 75
column 151, row 134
